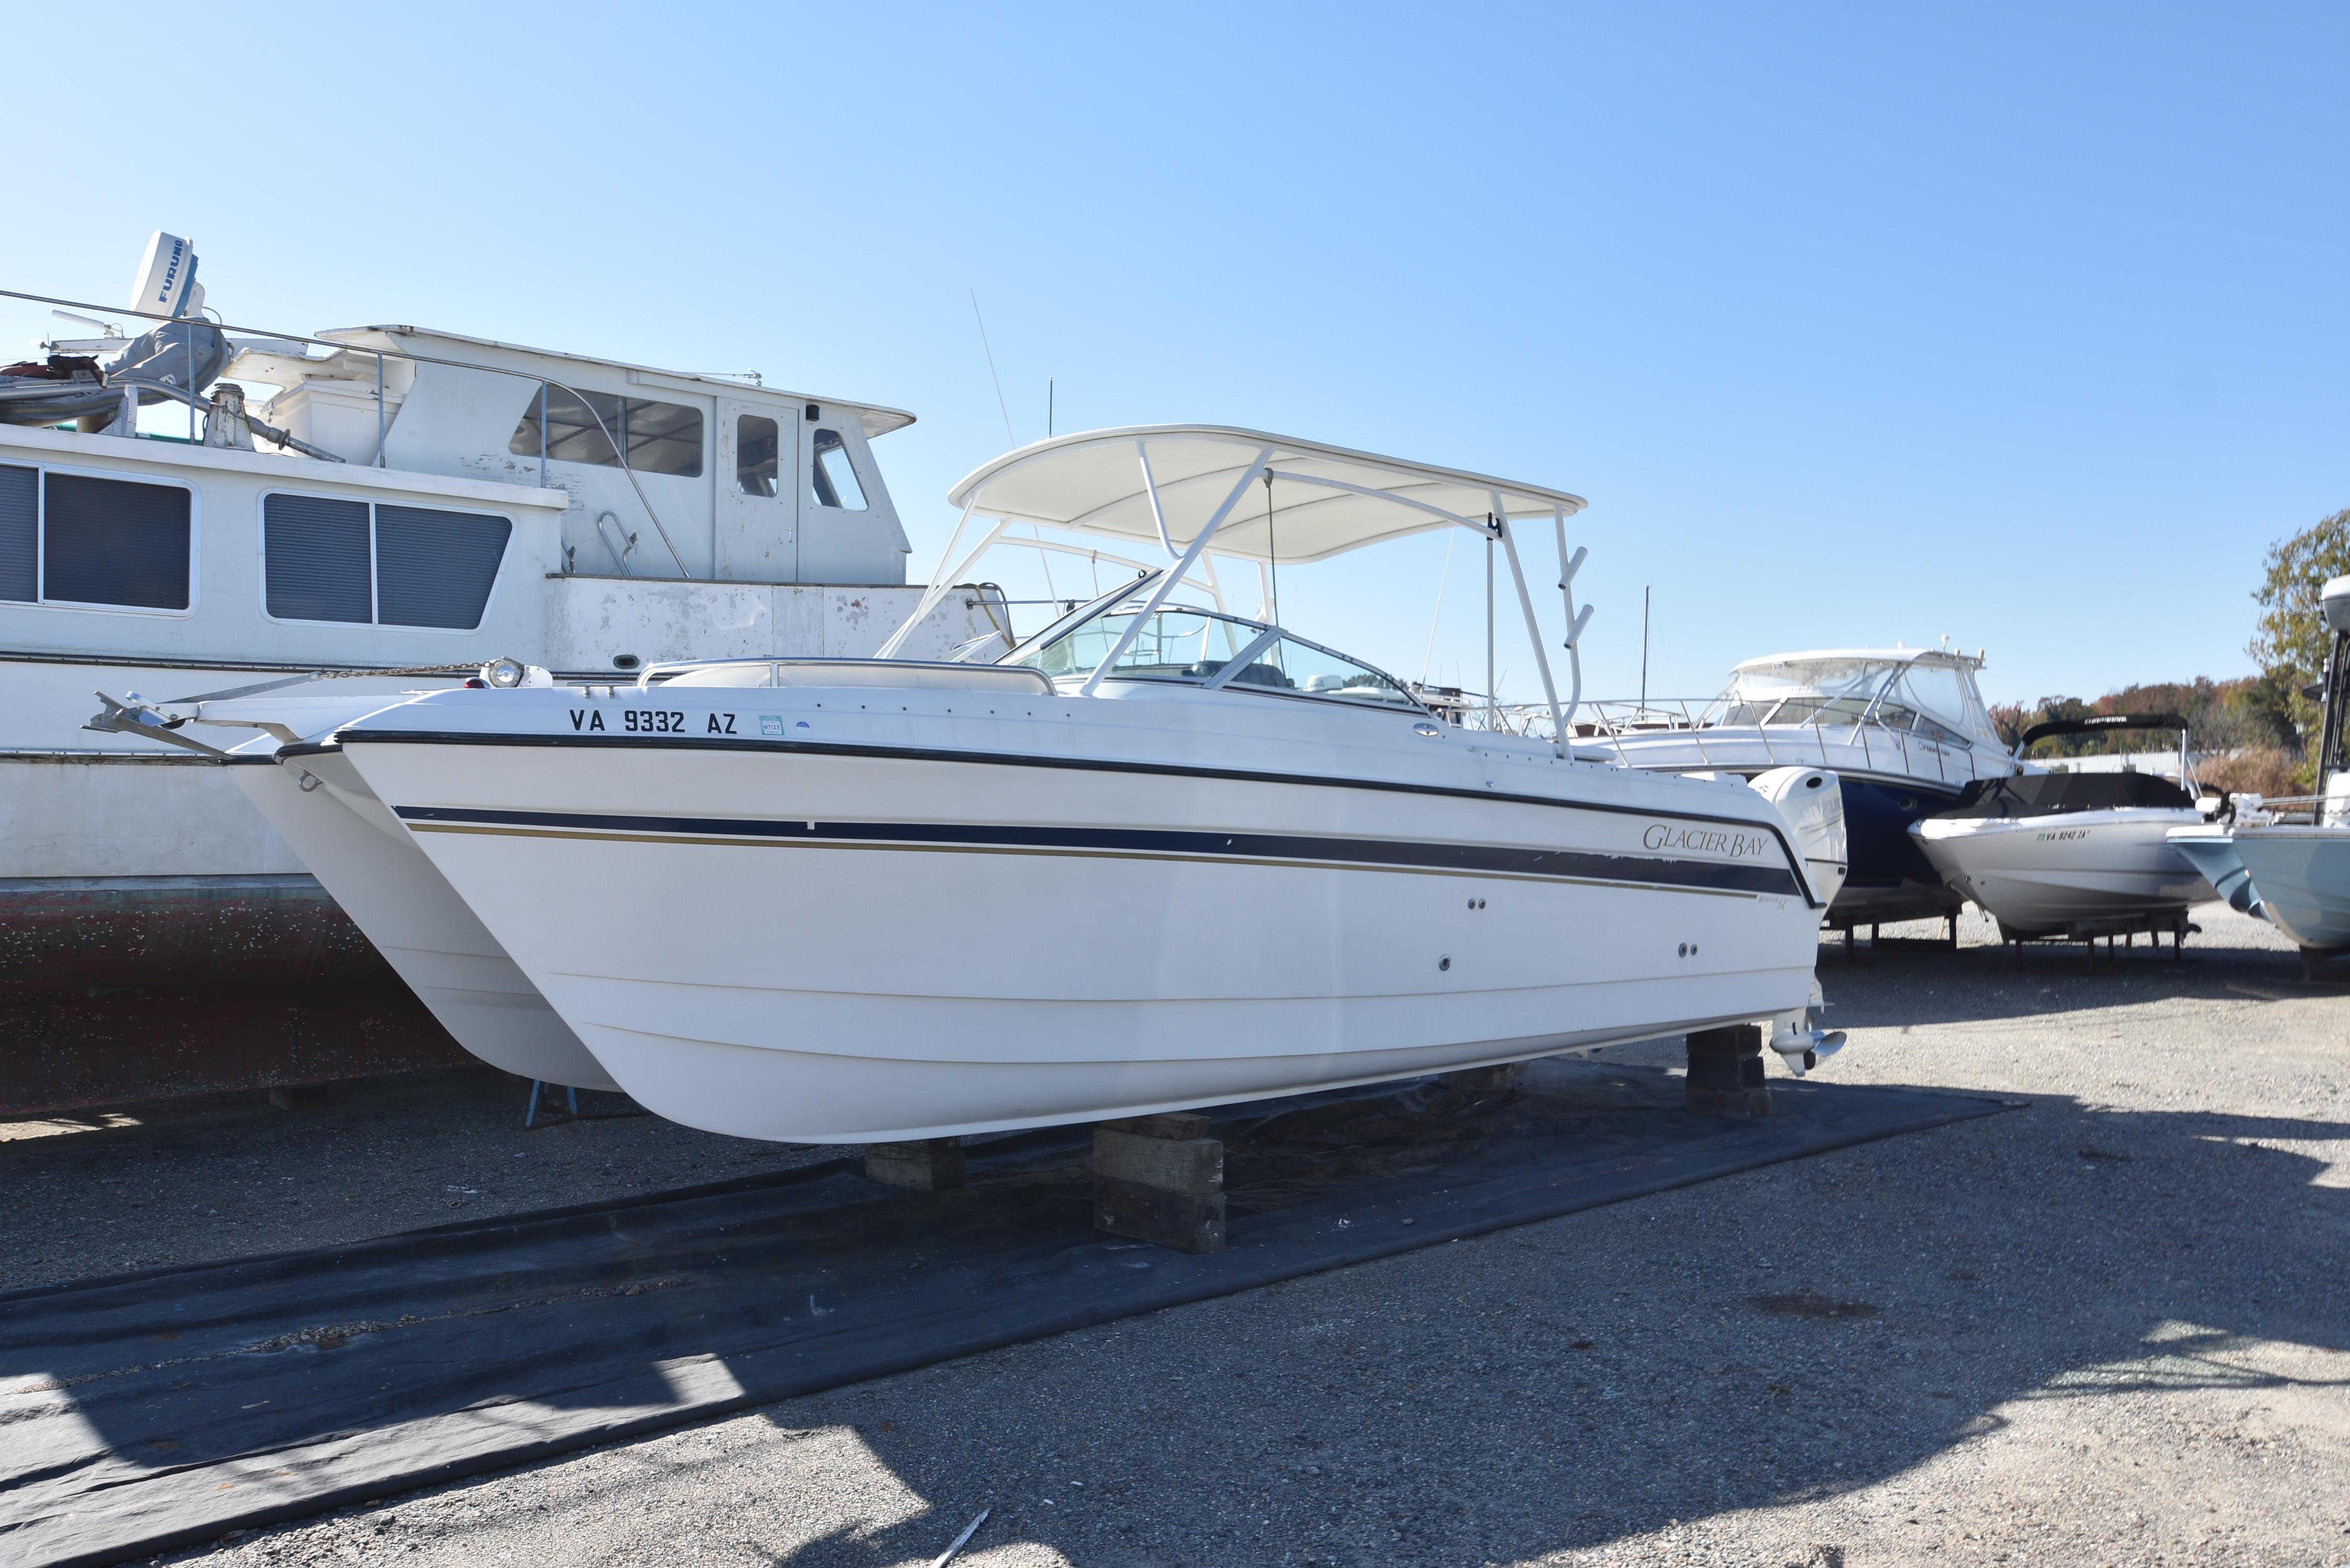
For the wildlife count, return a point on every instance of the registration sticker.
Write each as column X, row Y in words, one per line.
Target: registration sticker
column 771, row 724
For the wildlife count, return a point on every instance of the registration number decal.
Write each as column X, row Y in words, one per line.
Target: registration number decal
column 650, row 722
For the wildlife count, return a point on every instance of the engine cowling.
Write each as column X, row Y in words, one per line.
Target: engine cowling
column 1812, row 802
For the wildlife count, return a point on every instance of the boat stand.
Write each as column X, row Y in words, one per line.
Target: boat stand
column 1160, row 1180
column 531, row 1121
column 1725, row 1074
column 1947, row 941
column 931, row 1165
column 2314, row 961
column 2089, row 933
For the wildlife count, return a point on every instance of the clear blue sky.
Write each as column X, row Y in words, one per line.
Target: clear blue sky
column 2024, row 324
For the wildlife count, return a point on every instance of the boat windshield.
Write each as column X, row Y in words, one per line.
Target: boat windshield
column 1205, row 648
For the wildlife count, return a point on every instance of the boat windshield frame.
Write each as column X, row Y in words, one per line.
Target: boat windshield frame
column 1877, row 697
column 1035, row 642
column 1229, row 673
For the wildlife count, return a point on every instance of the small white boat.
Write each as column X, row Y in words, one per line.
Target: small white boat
column 2073, row 854
column 1156, row 856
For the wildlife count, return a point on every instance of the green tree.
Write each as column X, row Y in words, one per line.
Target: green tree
column 2292, row 642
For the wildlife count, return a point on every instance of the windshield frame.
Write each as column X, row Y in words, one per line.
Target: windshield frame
column 1269, row 633
column 1070, row 620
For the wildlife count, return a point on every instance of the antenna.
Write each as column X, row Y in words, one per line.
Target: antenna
column 106, row 327
column 1049, row 407
column 1009, row 439
column 1644, row 649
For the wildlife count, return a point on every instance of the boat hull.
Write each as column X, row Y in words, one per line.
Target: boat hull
column 1891, row 879
column 2042, row 875
column 2301, row 875
column 938, row 945
column 122, row 989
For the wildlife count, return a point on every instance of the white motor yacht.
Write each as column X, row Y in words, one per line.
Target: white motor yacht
column 2073, row 853
column 1904, row 728
column 1158, row 855
column 382, row 503
column 2294, row 854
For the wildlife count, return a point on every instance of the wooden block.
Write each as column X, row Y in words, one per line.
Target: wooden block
column 1725, row 1072
column 1167, row 1124
column 932, row 1165
column 1186, row 1221
column 1192, row 1165
column 1481, row 1080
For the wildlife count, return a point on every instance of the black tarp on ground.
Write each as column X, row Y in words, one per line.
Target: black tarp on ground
column 161, row 1408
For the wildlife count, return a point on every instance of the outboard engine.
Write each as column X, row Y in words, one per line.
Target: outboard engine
column 1812, row 801
column 2334, row 601
column 174, row 360
column 1801, row 1044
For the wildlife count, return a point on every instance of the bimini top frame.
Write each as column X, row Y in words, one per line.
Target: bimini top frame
column 1179, row 487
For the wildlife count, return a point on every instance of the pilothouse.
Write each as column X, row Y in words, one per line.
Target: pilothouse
column 188, row 507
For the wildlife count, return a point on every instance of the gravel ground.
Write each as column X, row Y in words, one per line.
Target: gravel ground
column 226, row 1176
column 2108, row 1327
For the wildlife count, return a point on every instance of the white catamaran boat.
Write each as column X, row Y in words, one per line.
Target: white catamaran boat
column 2294, row 854
column 2073, row 853
column 1155, row 855
column 407, row 500
column 1905, row 729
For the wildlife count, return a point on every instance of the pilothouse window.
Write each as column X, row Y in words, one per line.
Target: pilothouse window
column 328, row 559
column 317, row 550
column 757, row 449
column 20, row 521
column 832, row 477
column 659, row 438
column 112, row 542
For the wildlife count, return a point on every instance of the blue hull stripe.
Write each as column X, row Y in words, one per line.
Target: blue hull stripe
column 1380, row 854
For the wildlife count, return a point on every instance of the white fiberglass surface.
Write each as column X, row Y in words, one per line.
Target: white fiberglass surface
column 838, row 992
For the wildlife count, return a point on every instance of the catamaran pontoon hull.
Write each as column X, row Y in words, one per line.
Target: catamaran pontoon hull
column 2210, row 848
column 367, row 861
column 984, row 911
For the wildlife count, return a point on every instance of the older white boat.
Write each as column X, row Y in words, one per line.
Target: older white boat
column 1158, row 855
column 405, row 500
column 1904, row 728
column 2073, row 853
